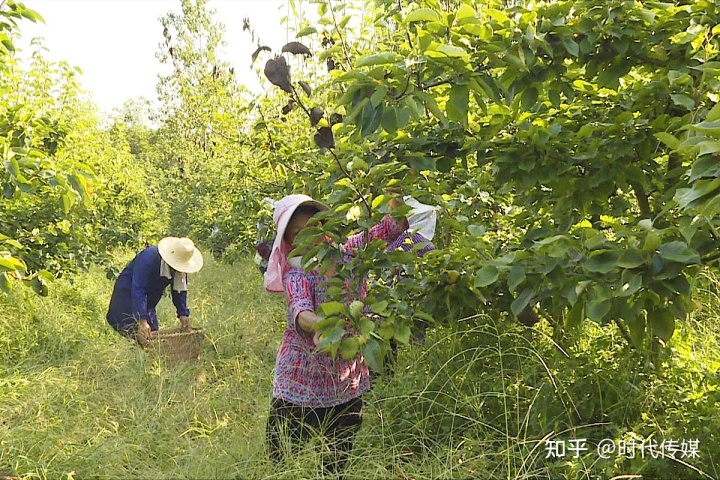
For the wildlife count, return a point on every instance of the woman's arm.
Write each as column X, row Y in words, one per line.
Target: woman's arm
column 301, row 305
column 300, row 301
column 387, row 230
column 307, row 319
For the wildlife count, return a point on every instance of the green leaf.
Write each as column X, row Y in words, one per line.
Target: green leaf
column 683, row 101
column 522, row 301
column 379, row 95
column 402, row 334
column 554, row 97
column 487, row 275
column 5, row 284
column 356, row 309
column 575, row 315
column 390, row 120
column 451, row 51
column 349, row 348
column 647, row 15
column 331, row 341
column 465, row 11
column 444, row 164
column 714, row 113
column 371, row 118
column 372, row 353
column 630, row 259
column 476, row 230
column 366, row 326
column 325, row 323
column 515, row 61
column 708, row 147
column 474, row 28
column 688, row 197
column 13, row 243
column 571, row 46
column 597, row 308
column 424, row 316
column 711, row 67
column 422, row 15
column 379, row 307
column 13, row 167
column 636, row 328
column 429, row 102
column 31, row 15
column 386, row 330
column 497, row 15
column 343, row 23
column 67, row 200
column 79, row 184
column 516, row 276
column 46, row 276
column 306, row 31
column 668, row 139
column 602, row 261
column 631, row 286
column 39, row 286
column 708, row 128
column 679, row 252
column 374, row 59
column 356, row 111
column 12, row 264
column 380, row 200
column 662, row 323
column 529, row 98
column 330, row 309
column 457, row 107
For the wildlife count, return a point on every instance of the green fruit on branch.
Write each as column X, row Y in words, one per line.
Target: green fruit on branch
column 453, row 276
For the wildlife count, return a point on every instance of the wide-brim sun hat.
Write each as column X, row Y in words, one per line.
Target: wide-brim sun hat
column 284, row 210
column 181, row 254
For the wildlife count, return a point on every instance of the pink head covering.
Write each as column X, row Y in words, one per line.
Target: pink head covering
column 278, row 264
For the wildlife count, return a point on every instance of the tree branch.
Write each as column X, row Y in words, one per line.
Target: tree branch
column 302, row 105
column 342, row 39
column 624, row 332
column 436, row 83
column 710, row 258
column 642, row 199
column 347, row 175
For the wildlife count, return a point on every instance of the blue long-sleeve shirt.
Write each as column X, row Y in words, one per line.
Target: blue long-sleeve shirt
column 141, row 281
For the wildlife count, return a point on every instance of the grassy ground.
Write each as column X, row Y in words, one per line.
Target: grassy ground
column 479, row 400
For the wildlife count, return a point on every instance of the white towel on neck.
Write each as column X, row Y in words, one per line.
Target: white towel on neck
column 180, row 282
column 295, row 262
column 422, row 218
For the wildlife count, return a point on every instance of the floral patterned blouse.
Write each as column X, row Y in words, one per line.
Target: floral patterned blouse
column 304, row 376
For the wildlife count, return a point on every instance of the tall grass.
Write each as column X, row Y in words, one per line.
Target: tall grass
column 479, row 400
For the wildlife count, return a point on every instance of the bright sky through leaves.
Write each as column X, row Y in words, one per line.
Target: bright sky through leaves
column 115, row 41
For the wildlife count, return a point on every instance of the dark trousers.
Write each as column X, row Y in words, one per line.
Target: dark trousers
column 120, row 316
column 289, row 425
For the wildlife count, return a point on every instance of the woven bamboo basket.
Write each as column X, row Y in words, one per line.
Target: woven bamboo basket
column 177, row 345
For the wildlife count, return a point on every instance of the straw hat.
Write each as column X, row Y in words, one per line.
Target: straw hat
column 181, row 254
column 282, row 214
